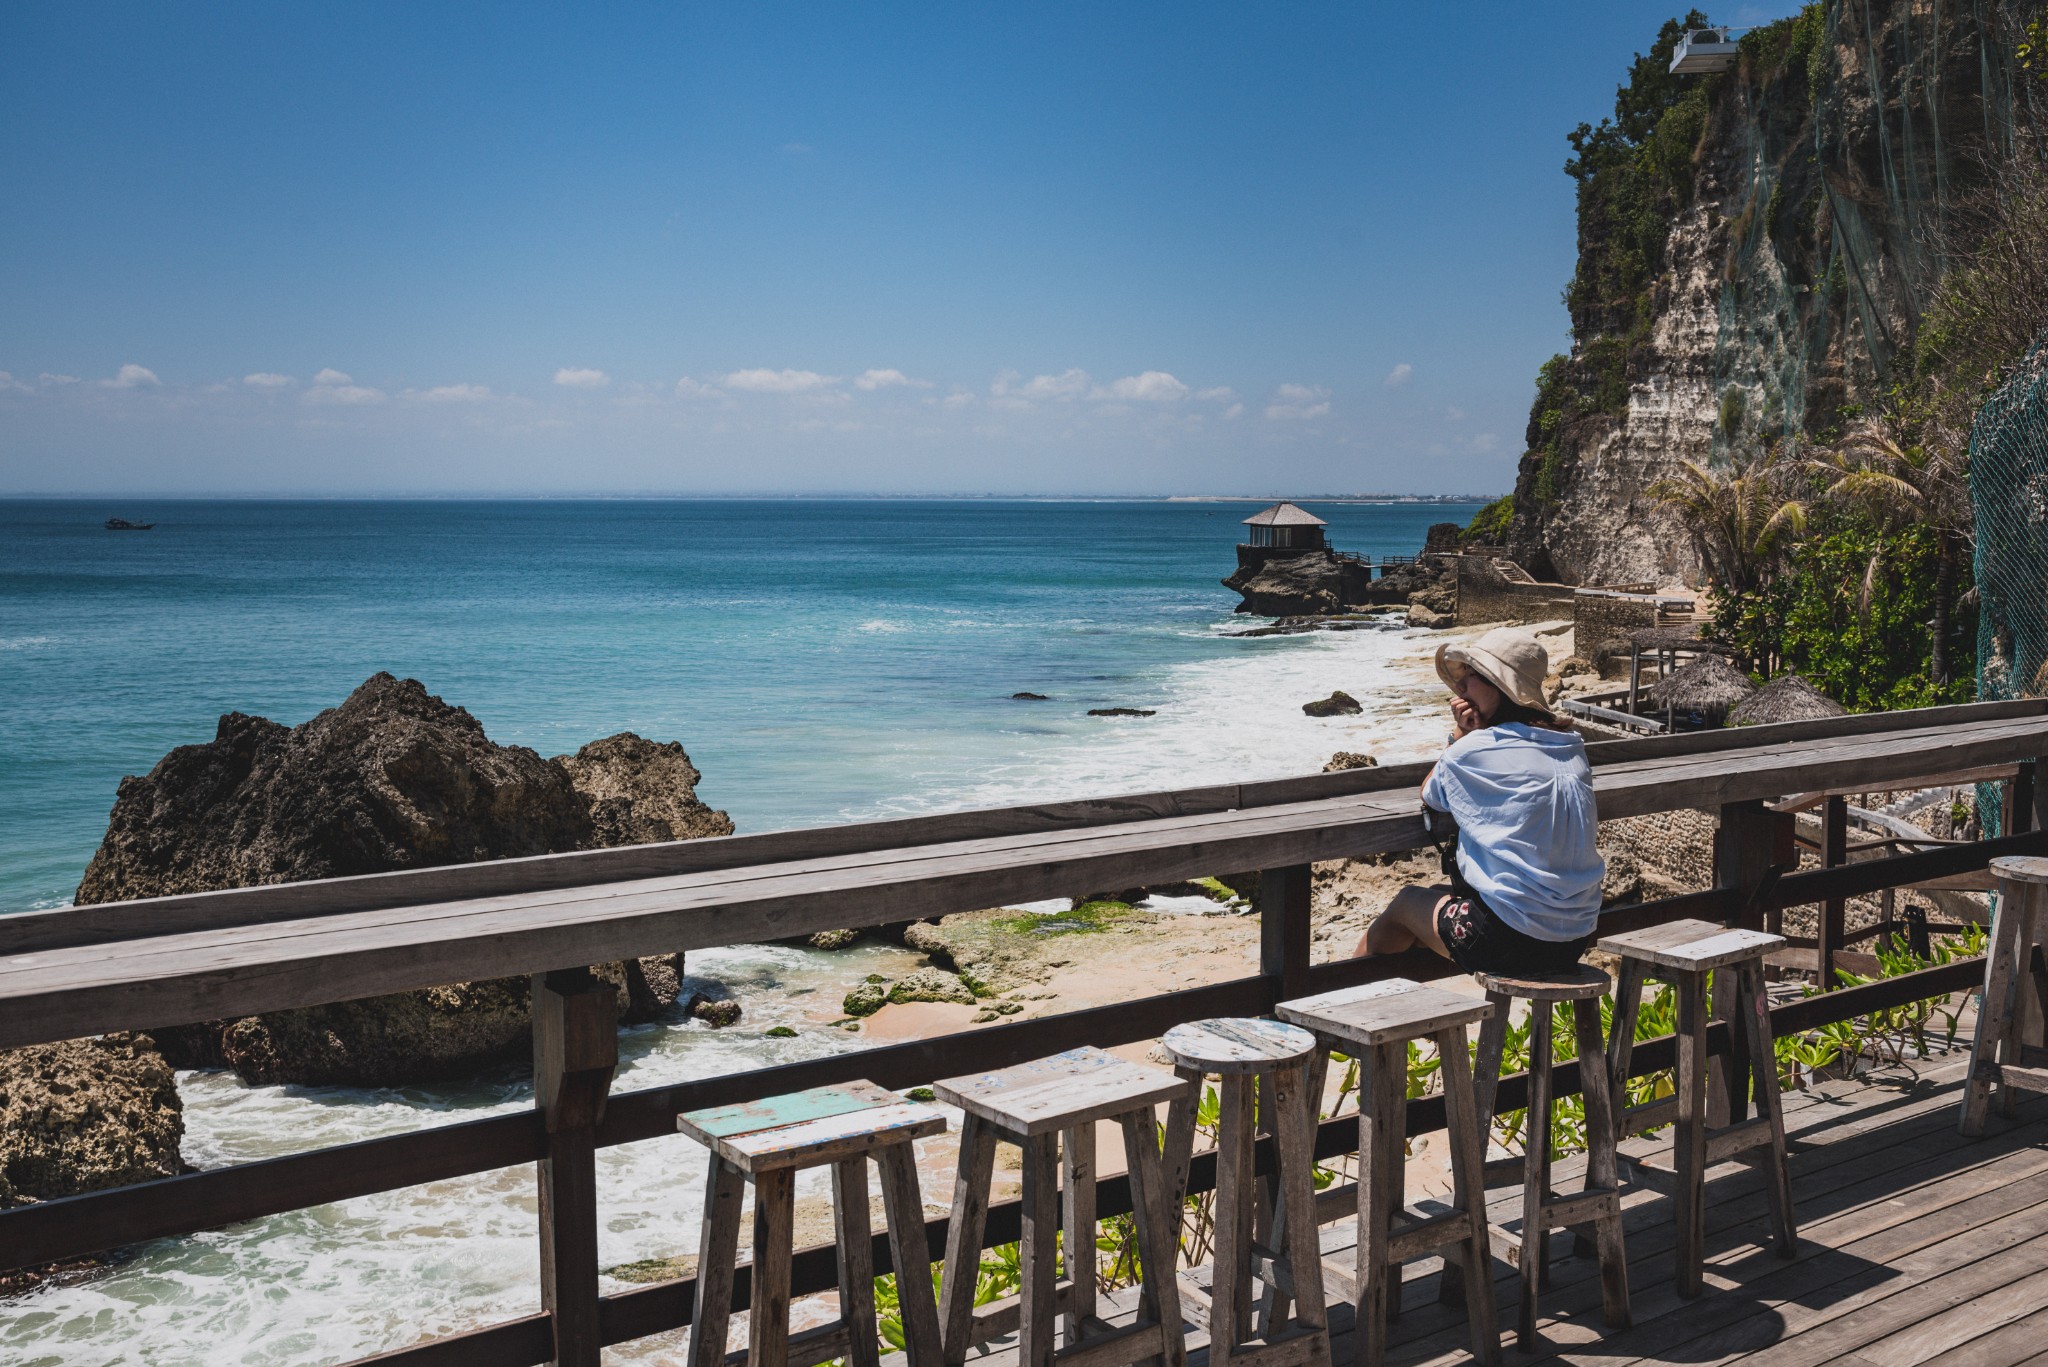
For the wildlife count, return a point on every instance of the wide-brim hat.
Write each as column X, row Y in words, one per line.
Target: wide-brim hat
column 1510, row 660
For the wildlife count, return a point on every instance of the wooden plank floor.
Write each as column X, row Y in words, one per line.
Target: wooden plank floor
column 1916, row 1246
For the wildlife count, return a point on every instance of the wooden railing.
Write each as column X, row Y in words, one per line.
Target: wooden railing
column 177, row 960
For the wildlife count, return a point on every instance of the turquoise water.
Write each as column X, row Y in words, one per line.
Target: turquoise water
column 820, row 660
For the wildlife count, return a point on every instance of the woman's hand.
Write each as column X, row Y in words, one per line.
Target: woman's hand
column 1465, row 717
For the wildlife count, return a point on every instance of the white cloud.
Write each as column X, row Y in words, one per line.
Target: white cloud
column 1299, row 402
column 1399, row 375
column 765, row 381
column 8, row 382
column 1222, row 393
column 132, row 377
column 47, row 378
column 798, row 149
column 344, row 394
column 332, row 376
column 1068, row 384
column 578, row 377
column 264, row 379
column 687, row 388
column 457, row 393
column 887, row 379
column 1485, row 443
column 1235, row 410
column 1154, row 386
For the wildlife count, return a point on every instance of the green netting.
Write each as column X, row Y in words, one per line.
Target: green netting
column 2009, row 487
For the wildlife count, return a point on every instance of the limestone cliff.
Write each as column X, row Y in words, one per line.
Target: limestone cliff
column 1756, row 247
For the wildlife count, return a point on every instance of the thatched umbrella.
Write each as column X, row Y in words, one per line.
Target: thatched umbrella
column 1708, row 685
column 1786, row 698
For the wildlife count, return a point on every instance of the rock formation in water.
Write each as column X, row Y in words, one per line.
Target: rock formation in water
column 84, row 1115
column 1755, row 250
column 1310, row 584
column 394, row 778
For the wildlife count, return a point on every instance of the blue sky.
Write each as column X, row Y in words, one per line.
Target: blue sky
column 677, row 248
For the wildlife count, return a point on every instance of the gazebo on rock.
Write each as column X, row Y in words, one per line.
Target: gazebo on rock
column 1279, row 532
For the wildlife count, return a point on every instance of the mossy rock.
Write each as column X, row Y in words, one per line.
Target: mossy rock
column 1089, row 916
column 781, row 1032
column 931, row 985
column 867, row 998
column 716, row 1014
column 834, row 939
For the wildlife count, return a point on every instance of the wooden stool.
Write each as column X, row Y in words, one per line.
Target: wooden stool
column 1275, row 1060
column 1598, row 1205
column 1374, row 1024
column 1683, row 953
column 767, row 1143
column 2009, row 1049
column 1045, row 1107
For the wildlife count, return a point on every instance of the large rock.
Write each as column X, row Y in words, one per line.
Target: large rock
column 84, row 1115
column 394, row 778
column 1313, row 584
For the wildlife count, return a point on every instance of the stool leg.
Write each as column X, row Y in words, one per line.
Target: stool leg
column 1689, row 1135
column 1474, row 1258
column 1493, row 1040
column 1295, row 1223
column 1535, row 1172
column 1269, row 1309
column 1763, row 1068
column 1156, row 1219
column 1077, row 1226
column 1382, row 1127
column 2030, row 997
column 1230, row 1292
column 1600, row 1163
column 718, row 1249
column 1180, row 1138
column 1621, row 1039
column 1039, row 1293
column 1728, row 1088
column 856, row 1259
column 774, row 1241
column 1994, row 1010
column 903, row 1207
column 963, row 1237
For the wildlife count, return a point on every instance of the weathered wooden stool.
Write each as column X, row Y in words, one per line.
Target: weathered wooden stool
column 2009, row 1049
column 1683, row 953
column 1048, row 1108
column 1596, row 1208
column 767, row 1143
column 1374, row 1024
column 1275, row 1061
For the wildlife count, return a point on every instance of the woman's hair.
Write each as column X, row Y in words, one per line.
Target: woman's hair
column 1512, row 711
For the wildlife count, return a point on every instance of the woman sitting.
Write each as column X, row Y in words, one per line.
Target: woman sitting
column 1525, row 892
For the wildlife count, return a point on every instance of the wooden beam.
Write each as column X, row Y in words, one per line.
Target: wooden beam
column 575, row 1053
column 1834, row 852
column 1284, row 924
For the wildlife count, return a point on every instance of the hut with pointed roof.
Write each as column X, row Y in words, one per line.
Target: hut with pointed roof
column 1286, row 527
column 1785, row 698
column 1701, row 693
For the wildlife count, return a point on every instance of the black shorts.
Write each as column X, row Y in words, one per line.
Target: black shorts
column 1480, row 942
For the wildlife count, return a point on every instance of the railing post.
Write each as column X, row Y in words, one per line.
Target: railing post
column 2028, row 809
column 1834, row 852
column 1747, row 860
column 575, row 1052
column 1283, row 904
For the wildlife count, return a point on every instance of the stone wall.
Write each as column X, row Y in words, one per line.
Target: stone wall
column 1600, row 619
column 1671, row 852
column 1486, row 595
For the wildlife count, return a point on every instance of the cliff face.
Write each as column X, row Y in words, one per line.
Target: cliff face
column 1755, row 251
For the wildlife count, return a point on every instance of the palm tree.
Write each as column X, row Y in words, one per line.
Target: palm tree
column 1900, row 486
column 1740, row 518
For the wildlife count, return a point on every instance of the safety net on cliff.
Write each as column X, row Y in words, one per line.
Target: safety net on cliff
column 2009, row 486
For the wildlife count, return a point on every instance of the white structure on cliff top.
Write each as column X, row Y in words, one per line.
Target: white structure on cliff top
column 1703, row 50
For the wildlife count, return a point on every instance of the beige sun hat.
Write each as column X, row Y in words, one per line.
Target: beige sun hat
column 1512, row 661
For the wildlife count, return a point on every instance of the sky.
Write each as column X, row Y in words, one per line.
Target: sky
column 678, row 248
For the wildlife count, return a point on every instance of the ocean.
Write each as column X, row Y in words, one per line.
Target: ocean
column 821, row 660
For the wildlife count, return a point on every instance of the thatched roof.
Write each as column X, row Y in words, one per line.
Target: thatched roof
column 1707, row 684
column 1787, row 698
column 1284, row 515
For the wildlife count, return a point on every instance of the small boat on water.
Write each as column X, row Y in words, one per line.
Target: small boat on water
column 122, row 524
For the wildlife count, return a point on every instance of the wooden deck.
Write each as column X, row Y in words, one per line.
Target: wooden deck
column 1916, row 1246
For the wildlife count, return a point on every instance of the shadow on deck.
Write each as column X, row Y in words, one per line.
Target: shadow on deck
column 1916, row 1246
